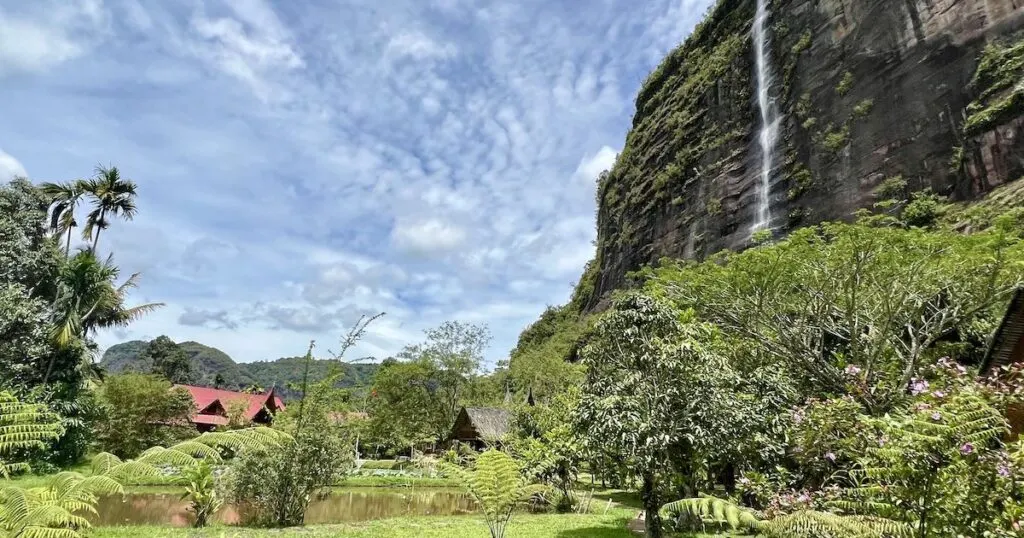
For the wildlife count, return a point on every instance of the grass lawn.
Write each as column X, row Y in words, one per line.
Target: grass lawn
column 611, row 525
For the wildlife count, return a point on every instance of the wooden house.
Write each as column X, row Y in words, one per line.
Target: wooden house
column 1007, row 348
column 481, row 427
column 212, row 406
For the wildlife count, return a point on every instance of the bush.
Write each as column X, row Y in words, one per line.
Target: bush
column 140, row 411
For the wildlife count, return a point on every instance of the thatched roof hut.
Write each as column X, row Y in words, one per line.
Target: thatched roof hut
column 1007, row 345
column 481, row 426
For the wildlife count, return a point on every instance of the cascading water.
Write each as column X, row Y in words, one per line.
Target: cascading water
column 768, row 137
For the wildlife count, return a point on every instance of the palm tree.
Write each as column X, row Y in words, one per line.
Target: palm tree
column 88, row 300
column 64, row 198
column 111, row 195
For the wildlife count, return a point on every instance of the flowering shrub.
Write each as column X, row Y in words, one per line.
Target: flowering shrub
column 829, row 436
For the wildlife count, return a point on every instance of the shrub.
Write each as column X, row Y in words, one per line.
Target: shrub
column 140, row 411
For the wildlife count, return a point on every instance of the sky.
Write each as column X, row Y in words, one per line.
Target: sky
column 301, row 163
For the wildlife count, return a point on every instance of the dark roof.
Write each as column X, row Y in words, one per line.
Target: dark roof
column 1009, row 333
column 490, row 423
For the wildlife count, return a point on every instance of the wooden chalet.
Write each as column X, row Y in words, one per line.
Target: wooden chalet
column 212, row 406
column 1007, row 348
column 481, row 427
column 1007, row 345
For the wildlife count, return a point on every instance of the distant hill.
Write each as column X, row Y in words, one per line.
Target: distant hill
column 208, row 361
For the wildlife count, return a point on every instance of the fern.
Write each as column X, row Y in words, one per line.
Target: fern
column 497, row 486
column 54, row 511
column 804, row 524
column 713, row 510
column 23, row 426
column 814, row 524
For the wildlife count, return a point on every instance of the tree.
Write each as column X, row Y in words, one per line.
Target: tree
column 869, row 297
column 64, row 201
column 141, row 411
column 88, row 299
column 404, row 408
column 546, row 445
column 169, row 360
column 455, row 351
column 653, row 394
column 111, row 195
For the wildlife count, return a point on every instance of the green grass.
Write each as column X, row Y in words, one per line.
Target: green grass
column 611, row 525
column 397, row 482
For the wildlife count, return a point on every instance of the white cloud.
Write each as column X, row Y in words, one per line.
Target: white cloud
column 300, row 164
column 10, row 167
column 418, row 46
column 427, row 236
column 591, row 166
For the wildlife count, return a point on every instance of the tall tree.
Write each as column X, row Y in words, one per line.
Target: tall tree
column 654, row 395
column 64, row 199
column 169, row 360
column 88, row 299
column 111, row 195
column 456, row 350
column 141, row 411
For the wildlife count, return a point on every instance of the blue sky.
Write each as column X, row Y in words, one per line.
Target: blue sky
column 302, row 162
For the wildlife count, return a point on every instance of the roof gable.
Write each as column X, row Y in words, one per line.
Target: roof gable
column 490, row 423
column 215, row 401
column 1007, row 338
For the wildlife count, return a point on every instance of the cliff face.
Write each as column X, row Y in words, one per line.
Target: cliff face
column 931, row 91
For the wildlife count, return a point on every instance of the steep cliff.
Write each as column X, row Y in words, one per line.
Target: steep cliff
column 931, row 91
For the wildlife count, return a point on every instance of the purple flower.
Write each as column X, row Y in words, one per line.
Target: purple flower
column 939, row 394
column 798, row 417
column 967, row 449
column 852, row 370
column 917, row 386
column 803, row 498
column 936, row 416
column 830, row 456
column 1003, row 471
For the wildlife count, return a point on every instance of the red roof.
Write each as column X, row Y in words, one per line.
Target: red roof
column 211, row 404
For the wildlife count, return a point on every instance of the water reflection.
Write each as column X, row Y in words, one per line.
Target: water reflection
column 345, row 505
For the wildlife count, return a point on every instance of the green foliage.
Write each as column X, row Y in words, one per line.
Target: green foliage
column 202, row 492
column 923, row 210
column 845, row 84
column 207, row 363
column 803, row 43
column 874, row 296
column 140, row 411
column 863, row 108
column 542, row 361
column 497, row 486
column 999, row 82
column 168, row 360
column 713, row 510
column 892, row 188
column 23, row 427
column 836, row 139
column 57, row 511
column 936, row 464
column 111, row 196
column 544, row 443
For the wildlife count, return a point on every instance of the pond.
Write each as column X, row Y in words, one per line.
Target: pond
column 355, row 504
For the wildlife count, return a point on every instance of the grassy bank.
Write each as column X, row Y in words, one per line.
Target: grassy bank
column 611, row 525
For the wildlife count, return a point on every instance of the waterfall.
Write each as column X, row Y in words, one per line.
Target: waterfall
column 768, row 137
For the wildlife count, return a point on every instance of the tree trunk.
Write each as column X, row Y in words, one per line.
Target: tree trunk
column 652, row 504
column 67, row 247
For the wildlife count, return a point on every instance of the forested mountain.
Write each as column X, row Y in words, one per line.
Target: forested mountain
column 209, row 362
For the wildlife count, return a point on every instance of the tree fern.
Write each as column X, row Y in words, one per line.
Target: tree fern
column 814, row 524
column 497, row 486
column 713, row 510
column 23, row 426
column 803, row 524
column 55, row 511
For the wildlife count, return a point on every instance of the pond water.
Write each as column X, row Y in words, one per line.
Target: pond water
column 356, row 504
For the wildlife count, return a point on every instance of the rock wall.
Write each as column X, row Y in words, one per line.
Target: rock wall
column 930, row 91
